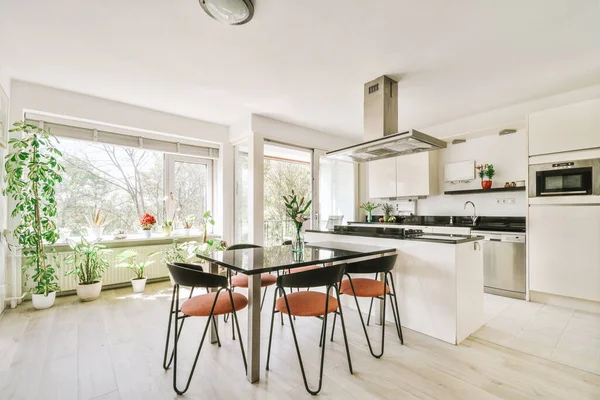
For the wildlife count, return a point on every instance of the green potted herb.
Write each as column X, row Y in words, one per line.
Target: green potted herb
column 33, row 169
column 128, row 259
column 88, row 262
column 486, row 171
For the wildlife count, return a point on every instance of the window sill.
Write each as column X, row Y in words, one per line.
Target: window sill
column 136, row 240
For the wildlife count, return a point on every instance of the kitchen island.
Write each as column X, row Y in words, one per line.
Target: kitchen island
column 439, row 278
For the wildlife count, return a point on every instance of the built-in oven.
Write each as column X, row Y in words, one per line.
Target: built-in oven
column 569, row 178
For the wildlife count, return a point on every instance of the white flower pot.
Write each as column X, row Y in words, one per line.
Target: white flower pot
column 89, row 292
column 138, row 285
column 95, row 232
column 41, row 302
column 147, row 233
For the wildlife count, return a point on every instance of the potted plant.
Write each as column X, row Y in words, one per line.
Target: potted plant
column 32, row 171
column 167, row 227
column 147, row 222
column 486, row 170
column 295, row 210
column 128, row 259
column 369, row 207
column 388, row 210
column 97, row 221
column 188, row 222
column 167, row 224
column 206, row 219
column 88, row 263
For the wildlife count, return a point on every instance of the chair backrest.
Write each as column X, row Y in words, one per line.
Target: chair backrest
column 244, row 246
column 325, row 276
column 286, row 243
column 373, row 265
column 192, row 275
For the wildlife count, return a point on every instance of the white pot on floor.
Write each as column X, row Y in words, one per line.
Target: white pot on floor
column 89, row 292
column 41, row 302
column 138, row 284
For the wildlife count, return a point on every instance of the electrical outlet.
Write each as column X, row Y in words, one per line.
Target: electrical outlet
column 510, row 201
column 500, row 201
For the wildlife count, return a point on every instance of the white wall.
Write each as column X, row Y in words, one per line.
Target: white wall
column 508, row 154
column 5, row 85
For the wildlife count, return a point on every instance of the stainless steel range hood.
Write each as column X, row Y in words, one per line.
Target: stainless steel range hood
column 381, row 128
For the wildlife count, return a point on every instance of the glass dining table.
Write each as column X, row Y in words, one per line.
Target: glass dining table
column 255, row 261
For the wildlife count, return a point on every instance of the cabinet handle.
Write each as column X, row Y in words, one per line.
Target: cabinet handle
column 476, row 246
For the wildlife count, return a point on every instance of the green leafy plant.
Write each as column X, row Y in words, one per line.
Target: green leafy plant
column 207, row 218
column 187, row 251
column 486, row 170
column 32, row 171
column 369, row 207
column 388, row 209
column 128, row 259
column 296, row 209
column 188, row 222
column 88, row 261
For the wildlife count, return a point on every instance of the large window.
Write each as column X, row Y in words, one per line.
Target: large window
column 126, row 182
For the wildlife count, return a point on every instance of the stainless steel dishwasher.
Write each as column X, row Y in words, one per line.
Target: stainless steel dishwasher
column 504, row 263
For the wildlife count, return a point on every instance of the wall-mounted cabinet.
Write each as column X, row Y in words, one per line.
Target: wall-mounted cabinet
column 567, row 128
column 404, row 176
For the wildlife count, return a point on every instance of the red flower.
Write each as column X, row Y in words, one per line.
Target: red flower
column 147, row 221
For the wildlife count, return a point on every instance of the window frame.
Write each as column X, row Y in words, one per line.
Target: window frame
column 169, row 177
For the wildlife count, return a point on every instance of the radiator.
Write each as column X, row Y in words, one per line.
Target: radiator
column 114, row 274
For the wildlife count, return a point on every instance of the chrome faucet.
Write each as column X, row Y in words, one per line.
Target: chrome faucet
column 474, row 218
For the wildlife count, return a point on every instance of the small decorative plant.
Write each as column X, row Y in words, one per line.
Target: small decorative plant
column 32, row 171
column 388, row 210
column 97, row 220
column 206, row 219
column 147, row 221
column 486, row 170
column 88, row 262
column 167, row 224
column 188, row 222
column 128, row 259
column 369, row 207
column 296, row 210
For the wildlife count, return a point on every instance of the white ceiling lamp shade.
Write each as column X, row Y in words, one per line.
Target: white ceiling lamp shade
column 230, row 12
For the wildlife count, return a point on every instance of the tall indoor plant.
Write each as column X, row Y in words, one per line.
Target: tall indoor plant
column 88, row 262
column 295, row 210
column 33, row 169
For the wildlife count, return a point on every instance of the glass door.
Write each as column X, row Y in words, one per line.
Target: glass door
column 286, row 168
column 336, row 194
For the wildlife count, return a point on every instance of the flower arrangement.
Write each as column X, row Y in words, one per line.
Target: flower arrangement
column 369, row 207
column 147, row 221
column 295, row 210
column 486, row 170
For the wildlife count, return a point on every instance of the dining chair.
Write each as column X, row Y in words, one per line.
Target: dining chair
column 375, row 289
column 209, row 305
column 310, row 304
column 241, row 280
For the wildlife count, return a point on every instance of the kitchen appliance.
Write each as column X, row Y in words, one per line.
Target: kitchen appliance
column 504, row 260
column 570, row 178
column 381, row 128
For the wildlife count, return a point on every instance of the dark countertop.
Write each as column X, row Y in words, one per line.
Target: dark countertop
column 497, row 224
column 388, row 233
column 266, row 259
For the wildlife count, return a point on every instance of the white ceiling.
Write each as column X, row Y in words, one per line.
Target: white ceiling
column 306, row 61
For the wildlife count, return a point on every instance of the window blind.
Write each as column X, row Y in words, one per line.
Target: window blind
column 120, row 139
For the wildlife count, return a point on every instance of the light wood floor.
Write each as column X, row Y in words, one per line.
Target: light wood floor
column 112, row 349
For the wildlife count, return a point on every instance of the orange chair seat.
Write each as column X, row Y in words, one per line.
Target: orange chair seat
column 363, row 287
column 306, row 304
column 241, row 280
column 199, row 306
column 303, row 269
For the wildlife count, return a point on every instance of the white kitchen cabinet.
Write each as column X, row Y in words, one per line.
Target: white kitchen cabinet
column 416, row 175
column 564, row 250
column 567, row 128
column 382, row 178
column 451, row 230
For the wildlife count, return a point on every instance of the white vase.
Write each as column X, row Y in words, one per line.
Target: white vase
column 147, row 233
column 95, row 232
column 138, row 284
column 89, row 292
column 41, row 302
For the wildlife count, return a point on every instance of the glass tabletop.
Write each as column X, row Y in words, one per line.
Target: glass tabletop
column 266, row 259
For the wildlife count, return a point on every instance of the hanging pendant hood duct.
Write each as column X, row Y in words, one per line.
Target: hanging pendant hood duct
column 381, row 128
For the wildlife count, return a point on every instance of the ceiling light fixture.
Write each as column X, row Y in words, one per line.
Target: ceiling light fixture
column 230, row 12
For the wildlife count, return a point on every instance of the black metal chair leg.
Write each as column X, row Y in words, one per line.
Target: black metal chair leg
column 271, row 329
column 333, row 327
column 208, row 322
column 175, row 293
column 397, row 314
column 371, row 305
column 344, row 331
column 237, row 324
column 363, row 322
column 216, row 331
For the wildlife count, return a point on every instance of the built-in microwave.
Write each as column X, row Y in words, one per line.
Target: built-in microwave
column 569, row 178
